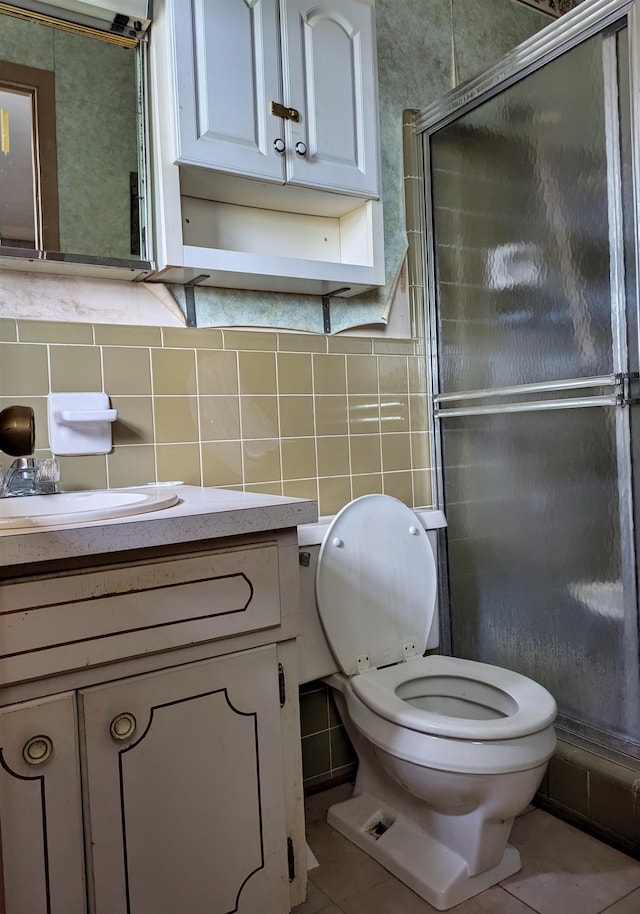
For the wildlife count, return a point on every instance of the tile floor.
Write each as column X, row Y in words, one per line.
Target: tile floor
column 564, row 872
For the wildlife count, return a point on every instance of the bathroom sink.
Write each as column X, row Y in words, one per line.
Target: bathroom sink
column 77, row 507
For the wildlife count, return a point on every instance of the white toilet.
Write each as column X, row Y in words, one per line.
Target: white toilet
column 449, row 750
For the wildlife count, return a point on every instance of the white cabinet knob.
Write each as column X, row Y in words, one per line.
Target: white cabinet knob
column 123, row 726
column 37, row 750
column 301, row 149
column 279, row 146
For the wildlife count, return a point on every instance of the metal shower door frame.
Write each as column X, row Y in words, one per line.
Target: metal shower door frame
column 589, row 19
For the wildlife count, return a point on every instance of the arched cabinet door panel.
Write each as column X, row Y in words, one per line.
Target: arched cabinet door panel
column 185, row 789
column 329, row 73
column 226, row 66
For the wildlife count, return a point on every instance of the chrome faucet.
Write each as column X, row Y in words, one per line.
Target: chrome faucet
column 30, row 476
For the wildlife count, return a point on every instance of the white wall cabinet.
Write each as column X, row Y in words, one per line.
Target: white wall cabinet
column 149, row 779
column 249, row 198
column 235, row 59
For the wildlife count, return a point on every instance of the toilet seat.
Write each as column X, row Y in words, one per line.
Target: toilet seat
column 375, row 592
column 527, row 706
column 375, row 584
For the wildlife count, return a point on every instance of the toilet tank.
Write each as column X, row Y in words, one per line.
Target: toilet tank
column 315, row 657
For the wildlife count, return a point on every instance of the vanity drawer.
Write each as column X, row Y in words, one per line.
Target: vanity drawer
column 51, row 625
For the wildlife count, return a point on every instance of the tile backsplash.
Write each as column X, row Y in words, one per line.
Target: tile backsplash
column 328, row 418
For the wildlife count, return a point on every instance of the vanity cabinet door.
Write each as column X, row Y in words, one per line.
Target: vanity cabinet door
column 42, row 853
column 226, row 67
column 330, row 75
column 184, row 789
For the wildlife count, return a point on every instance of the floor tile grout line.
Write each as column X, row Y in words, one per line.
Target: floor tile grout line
column 618, row 900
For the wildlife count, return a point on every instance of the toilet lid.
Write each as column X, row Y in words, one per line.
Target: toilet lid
column 375, row 583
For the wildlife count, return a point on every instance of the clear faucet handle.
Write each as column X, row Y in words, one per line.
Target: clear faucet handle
column 48, row 470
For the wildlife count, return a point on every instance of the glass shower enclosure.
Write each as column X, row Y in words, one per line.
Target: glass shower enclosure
column 531, row 176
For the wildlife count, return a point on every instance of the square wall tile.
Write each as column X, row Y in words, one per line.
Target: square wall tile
column 132, row 465
column 259, row 417
column 568, row 785
column 176, row 419
column 298, row 458
column 399, row 485
column 365, row 454
column 75, row 368
column 333, row 494
column 362, row 374
column 296, row 416
column 173, row 371
column 364, row 415
column 331, row 416
column 613, row 805
column 221, row 463
column 394, row 413
column 78, row 473
column 257, row 372
column 24, row 370
column 369, row 484
column 219, row 418
column 393, row 374
column 314, row 712
column 179, row 462
column 329, row 374
column 316, row 755
column 261, row 460
column 396, row 452
column 217, row 372
column 333, row 456
column 134, row 424
column 126, row 371
column 294, row 373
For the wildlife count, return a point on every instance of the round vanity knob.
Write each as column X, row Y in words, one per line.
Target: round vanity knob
column 414, row 531
column 301, row 149
column 123, row 726
column 279, row 145
column 37, row 750
column 337, row 542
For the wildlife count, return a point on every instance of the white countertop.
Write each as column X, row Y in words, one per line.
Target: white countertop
column 201, row 513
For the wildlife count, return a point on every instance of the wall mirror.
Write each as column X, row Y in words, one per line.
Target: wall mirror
column 72, row 146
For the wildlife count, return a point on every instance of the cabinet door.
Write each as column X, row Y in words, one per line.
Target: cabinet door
column 40, row 808
column 226, row 64
column 185, row 789
column 330, row 75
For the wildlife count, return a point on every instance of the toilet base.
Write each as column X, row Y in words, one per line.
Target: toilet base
column 434, row 871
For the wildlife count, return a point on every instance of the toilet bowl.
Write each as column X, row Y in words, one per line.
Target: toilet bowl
column 449, row 750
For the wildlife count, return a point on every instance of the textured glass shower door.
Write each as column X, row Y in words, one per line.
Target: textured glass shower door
column 535, row 327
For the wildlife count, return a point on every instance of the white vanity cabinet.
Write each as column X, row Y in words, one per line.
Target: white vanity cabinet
column 149, row 730
column 265, row 154
column 281, row 90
